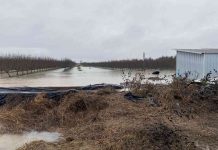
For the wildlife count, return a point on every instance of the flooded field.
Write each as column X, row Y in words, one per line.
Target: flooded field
column 74, row 77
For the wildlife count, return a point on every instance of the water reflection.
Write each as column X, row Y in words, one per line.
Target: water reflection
column 73, row 77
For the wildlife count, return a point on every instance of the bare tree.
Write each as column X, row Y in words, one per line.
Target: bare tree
column 28, row 64
column 161, row 63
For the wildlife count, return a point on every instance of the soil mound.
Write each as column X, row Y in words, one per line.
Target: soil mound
column 157, row 137
column 41, row 113
column 85, row 105
column 163, row 137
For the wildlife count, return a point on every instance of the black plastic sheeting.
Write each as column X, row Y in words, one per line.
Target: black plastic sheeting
column 2, row 99
column 29, row 90
column 52, row 93
column 56, row 90
column 132, row 97
column 26, row 90
column 58, row 95
column 100, row 86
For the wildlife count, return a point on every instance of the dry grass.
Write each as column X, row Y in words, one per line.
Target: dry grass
column 38, row 145
column 89, row 120
column 42, row 113
column 106, row 91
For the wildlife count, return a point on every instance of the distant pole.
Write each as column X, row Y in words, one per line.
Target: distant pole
column 144, row 60
column 143, row 55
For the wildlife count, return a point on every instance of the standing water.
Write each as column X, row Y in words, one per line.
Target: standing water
column 12, row 142
column 73, row 77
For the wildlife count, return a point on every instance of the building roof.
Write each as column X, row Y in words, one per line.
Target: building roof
column 199, row 51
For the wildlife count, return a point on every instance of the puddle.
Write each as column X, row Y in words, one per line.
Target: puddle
column 12, row 142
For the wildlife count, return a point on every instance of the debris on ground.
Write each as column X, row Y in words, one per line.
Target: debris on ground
column 132, row 97
column 100, row 86
column 153, row 102
column 156, row 78
column 2, row 99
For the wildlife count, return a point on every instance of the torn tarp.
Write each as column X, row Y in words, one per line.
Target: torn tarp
column 100, row 86
column 132, row 97
column 2, row 99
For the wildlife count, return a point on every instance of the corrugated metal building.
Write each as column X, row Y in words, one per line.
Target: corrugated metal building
column 197, row 63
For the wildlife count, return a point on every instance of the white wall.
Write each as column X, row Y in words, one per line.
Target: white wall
column 211, row 63
column 190, row 62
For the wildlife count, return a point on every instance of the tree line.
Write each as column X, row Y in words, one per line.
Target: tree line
column 20, row 64
column 149, row 63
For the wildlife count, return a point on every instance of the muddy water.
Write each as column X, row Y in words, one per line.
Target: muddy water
column 12, row 142
column 73, row 77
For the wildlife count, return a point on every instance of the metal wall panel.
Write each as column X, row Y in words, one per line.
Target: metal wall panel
column 191, row 64
column 211, row 64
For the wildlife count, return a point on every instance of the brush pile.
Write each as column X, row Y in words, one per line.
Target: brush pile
column 187, row 98
column 42, row 113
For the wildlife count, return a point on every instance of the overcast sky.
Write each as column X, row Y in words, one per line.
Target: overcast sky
column 94, row 30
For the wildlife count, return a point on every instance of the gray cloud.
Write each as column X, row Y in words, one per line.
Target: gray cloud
column 111, row 29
